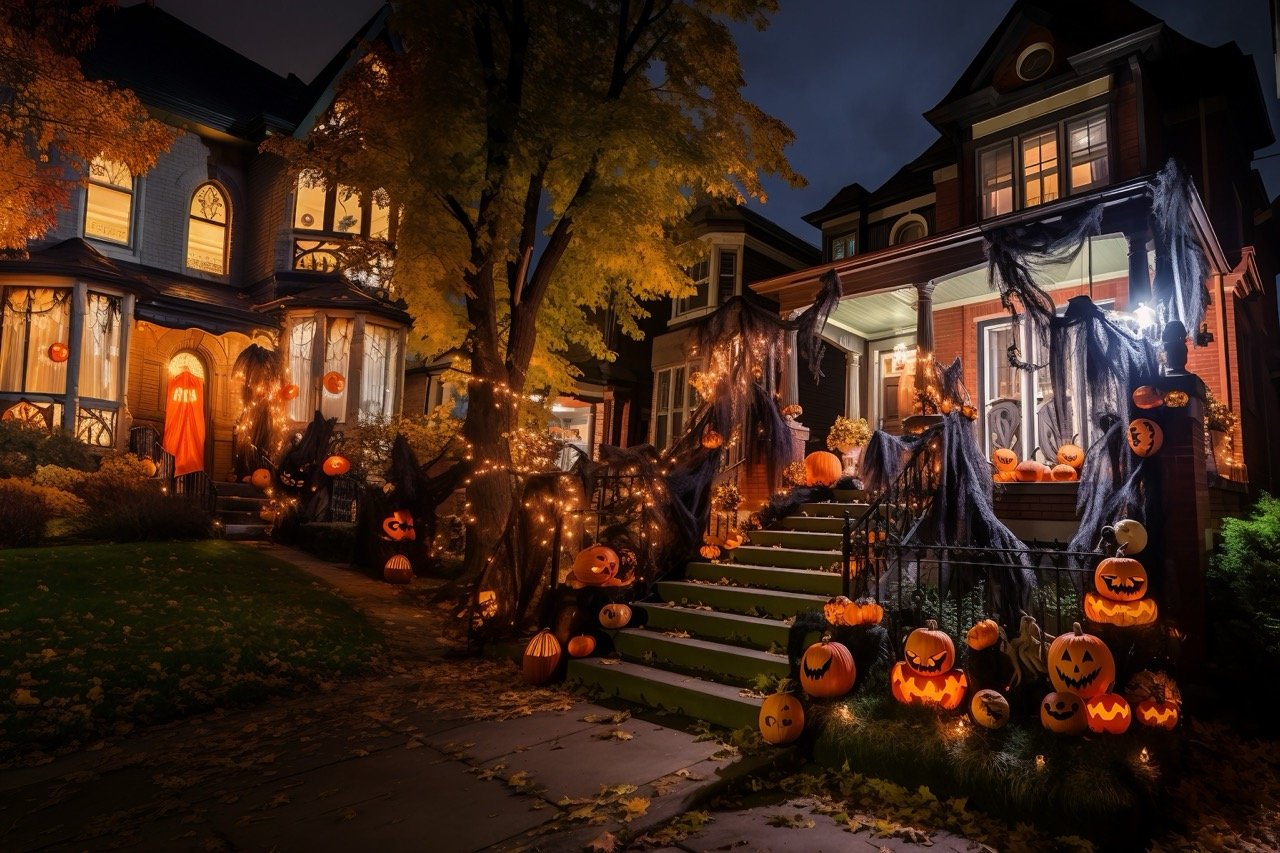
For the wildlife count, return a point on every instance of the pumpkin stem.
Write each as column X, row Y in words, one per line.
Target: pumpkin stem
column 1075, row 628
column 931, row 624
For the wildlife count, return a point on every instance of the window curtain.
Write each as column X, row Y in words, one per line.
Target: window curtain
column 33, row 319
column 302, row 336
column 100, row 348
column 378, row 379
column 337, row 358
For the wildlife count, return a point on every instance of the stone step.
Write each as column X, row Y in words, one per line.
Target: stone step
column 832, row 508
column 803, row 539
column 239, row 490
column 792, row 558
column 238, row 518
column 810, row 523
column 755, row 631
column 754, row 602
column 804, row 581
column 245, row 531
column 717, row 703
column 724, row 662
column 236, row 503
column 850, row 495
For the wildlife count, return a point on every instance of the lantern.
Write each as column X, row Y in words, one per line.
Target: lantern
column 288, row 392
column 945, row 690
column 1157, row 714
column 1130, row 535
column 709, row 552
column 581, row 646
column 541, row 657
column 827, row 670
column 398, row 526
column 711, row 439
column 260, row 478
column 614, row 616
column 1063, row 713
column 929, row 651
column 1145, row 437
column 335, row 465
column 1004, row 459
column 989, row 709
column 333, row 382
column 864, row 611
column 397, row 570
column 1080, row 664
column 834, row 610
column 1123, row 614
column 822, row 468
column 595, row 566
column 781, row 718
column 1071, row 454
column 983, row 635
column 59, row 352
column 1108, row 713
column 1062, row 473
column 1147, row 397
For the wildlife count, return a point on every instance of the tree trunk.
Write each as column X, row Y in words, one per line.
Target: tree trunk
column 489, row 498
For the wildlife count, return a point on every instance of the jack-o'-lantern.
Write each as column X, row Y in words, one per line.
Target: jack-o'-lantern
column 827, row 670
column 1120, row 579
column 541, row 657
column 59, row 352
column 1157, row 714
column 289, row 392
column 929, row 651
column 1005, row 477
column 864, row 611
column 732, row 540
column 834, row 610
column 1004, row 459
column 333, row 382
column 260, row 478
column 1062, row 473
column 1071, row 454
column 1029, row 471
column 487, row 604
column 615, row 616
column 709, row 552
column 398, row 526
column 711, row 439
column 945, row 690
column 1108, row 713
column 822, row 468
column 1147, row 397
column 397, row 570
column 1176, row 399
column 781, row 718
column 1155, row 698
column 989, row 709
column 1080, row 664
column 595, row 566
column 581, row 646
column 1063, row 713
column 336, row 465
column 1130, row 535
column 1122, row 614
column 1145, row 437
column 983, row 635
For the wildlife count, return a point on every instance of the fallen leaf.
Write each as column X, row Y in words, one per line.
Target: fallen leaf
column 605, row 842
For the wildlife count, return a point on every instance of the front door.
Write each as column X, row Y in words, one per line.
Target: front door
column 184, row 416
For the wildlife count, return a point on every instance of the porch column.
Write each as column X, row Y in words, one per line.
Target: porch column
column 853, row 385
column 75, row 335
column 1139, row 271
column 924, row 331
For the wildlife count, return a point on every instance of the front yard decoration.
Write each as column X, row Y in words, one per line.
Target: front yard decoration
column 781, row 718
column 397, row 570
column 1108, row 713
column 541, row 658
column 1028, row 652
column 710, row 551
column 1155, row 698
column 1130, row 535
column 711, row 439
column 834, row 611
column 1062, row 712
column 927, row 675
column 1122, row 614
column 615, row 616
column 1147, row 397
column 822, row 468
column 847, row 433
column 398, row 526
column 1071, row 454
column 929, row 651
column 864, row 611
column 1121, row 583
column 581, row 646
column 983, row 635
column 1145, row 437
column 1081, row 664
column 827, row 670
column 989, row 709
column 595, row 566
column 335, row 465
column 1063, row 473
column 1004, row 459
column 261, row 478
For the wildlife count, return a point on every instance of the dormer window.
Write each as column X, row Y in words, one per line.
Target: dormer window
column 844, row 246
column 108, row 206
column 339, row 212
column 715, row 279
column 908, row 229
column 1036, row 159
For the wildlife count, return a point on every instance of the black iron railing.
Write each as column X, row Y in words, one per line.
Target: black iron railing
column 197, row 486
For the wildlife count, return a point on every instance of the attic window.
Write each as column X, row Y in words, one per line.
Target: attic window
column 1034, row 62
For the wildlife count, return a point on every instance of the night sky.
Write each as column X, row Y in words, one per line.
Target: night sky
column 850, row 79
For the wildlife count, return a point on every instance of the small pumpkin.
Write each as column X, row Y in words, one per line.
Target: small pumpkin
column 615, row 616
column 1005, row 477
column 1062, row 473
column 260, row 478
column 595, row 566
column 1071, row 454
column 1176, row 399
column 945, row 690
column 834, row 610
column 827, row 670
column 1004, row 459
column 822, row 468
column 711, row 439
column 1145, row 437
column 541, row 658
column 1108, row 713
column 288, row 392
column 709, row 552
column 1130, row 535
column 989, row 709
column 781, row 719
column 1123, row 614
column 1063, row 713
column 149, row 467
column 864, row 611
column 1029, row 471
column 1120, row 579
column 1157, row 714
column 336, row 465
column 397, row 570
column 1080, row 664
column 732, row 540
column 929, row 651
column 1147, row 397
column 333, row 382
column 983, row 635
column 398, row 526
column 581, row 646
column 59, row 352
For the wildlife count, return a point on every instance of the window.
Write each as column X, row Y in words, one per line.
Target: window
column 1087, row 144
column 207, row 231
column 674, row 400
column 340, row 211
column 844, row 247
column 302, row 334
column 337, row 359
column 995, row 179
column 1043, row 177
column 33, row 319
column 108, row 206
column 701, row 275
column 727, row 276
column 100, row 348
column 1039, row 168
column 908, row 229
column 380, row 372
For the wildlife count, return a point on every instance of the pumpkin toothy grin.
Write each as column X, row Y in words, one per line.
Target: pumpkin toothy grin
column 1065, row 714
column 1082, row 681
column 1127, row 586
column 931, row 667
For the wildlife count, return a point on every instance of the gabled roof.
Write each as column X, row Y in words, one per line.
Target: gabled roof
column 719, row 217
column 286, row 290
column 911, row 181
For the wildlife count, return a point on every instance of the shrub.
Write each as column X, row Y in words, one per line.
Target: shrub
column 23, row 447
column 59, row 477
column 23, row 514
column 335, row 541
column 118, row 480
column 143, row 512
column 61, row 503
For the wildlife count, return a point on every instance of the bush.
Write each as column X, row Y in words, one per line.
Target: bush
column 335, row 541
column 142, row 513
column 59, row 477
column 23, row 514
column 24, row 447
column 61, row 503
column 118, row 480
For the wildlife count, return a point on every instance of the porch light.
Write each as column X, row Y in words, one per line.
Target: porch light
column 1145, row 317
column 899, row 356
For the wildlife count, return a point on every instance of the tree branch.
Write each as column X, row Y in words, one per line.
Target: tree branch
column 459, row 213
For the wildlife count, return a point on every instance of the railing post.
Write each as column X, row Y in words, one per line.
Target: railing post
column 555, row 552
column 846, row 550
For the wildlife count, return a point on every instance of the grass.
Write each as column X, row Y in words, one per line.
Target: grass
column 98, row 639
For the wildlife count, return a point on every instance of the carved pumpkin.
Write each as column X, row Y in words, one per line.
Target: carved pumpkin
column 732, row 540
column 781, row 718
column 1071, row 454
column 260, row 478
column 614, row 616
column 595, row 566
column 1130, row 535
column 864, row 611
column 989, row 709
column 827, row 670
column 398, row 526
column 1155, row 688
column 983, row 635
column 1005, row 477
column 1157, row 714
column 834, row 610
column 1120, row 579
column 333, row 382
column 1147, row 397
column 397, row 570
column 1029, row 471
column 1004, row 459
column 1145, row 437
column 288, row 392
column 1108, row 713
column 1062, row 473
column 711, row 439
column 541, row 657
column 1063, row 713
column 822, row 468
column 944, row 691
column 581, row 646
column 59, row 352
column 1176, row 399
column 1123, row 614
column 929, row 651
column 1080, row 664
column 709, row 552
column 336, row 465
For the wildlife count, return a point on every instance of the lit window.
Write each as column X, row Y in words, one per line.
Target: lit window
column 207, row 231
column 100, row 348
column 33, row 320
column 1087, row 142
column 995, row 175
column 701, row 275
column 108, row 208
column 1040, row 164
column 1039, row 168
column 338, row 210
column 337, row 359
column 309, row 202
column 380, row 371
column 302, row 334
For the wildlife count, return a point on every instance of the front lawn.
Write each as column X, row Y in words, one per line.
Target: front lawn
column 95, row 639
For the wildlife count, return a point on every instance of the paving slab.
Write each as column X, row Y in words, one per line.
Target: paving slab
column 492, row 739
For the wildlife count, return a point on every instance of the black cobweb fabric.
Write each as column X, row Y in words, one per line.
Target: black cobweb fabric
column 1180, row 263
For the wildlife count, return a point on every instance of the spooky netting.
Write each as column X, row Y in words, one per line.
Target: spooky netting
column 254, row 435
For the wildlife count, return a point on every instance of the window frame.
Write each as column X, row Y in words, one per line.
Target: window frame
column 326, row 241
column 680, row 307
column 225, row 225
column 666, row 408
column 848, row 243
column 903, row 223
column 108, row 187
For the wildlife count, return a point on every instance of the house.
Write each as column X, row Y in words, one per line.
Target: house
column 175, row 273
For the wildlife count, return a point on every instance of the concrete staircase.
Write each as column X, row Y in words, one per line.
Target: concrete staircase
column 237, row 510
column 712, row 634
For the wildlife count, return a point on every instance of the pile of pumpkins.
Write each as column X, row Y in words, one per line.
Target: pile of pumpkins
column 1009, row 469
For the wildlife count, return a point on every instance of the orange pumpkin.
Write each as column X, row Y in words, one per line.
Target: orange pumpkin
column 989, row 709
column 149, row 467
column 1120, row 579
column 336, row 465
column 1004, row 459
column 827, row 670
column 781, row 719
column 711, row 439
column 864, row 611
column 541, row 658
column 1063, row 713
column 1123, row 614
column 822, row 468
column 732, row 540
column 1005, row 477
column 595, row 566
column 1145, row 437
column 1157, row 714
column 1108, row 713
column 1071, row 454
column 288, row 392
column 1176, row 399
column 945, row 690
column 834, row 610
column 983, row 635
column 709, row 552
column 614, row 616
column 1029, row 471
column 929, row 651
column 1080, row 664
column 398, row 526
column 260, row 478
column 333, row 382
column 59, row 352
column 397, row 570
column 581, row 646
column 1147, row 397
column 1062, row 473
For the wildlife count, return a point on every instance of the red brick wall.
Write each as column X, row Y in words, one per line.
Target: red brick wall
column 1128, row 150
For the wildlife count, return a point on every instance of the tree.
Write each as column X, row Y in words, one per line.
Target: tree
column 53, row 121
column 542, row 152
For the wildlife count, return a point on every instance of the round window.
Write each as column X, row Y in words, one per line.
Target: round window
column 1034, row 62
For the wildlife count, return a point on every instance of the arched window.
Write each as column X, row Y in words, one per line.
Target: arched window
column 908, row 229
column 207, row 230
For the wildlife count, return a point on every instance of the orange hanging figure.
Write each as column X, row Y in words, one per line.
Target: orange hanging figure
column 184, row 423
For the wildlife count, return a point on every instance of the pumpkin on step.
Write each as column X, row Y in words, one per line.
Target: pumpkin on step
column 781, row 719
column 822, row 468
column 827, row 670
column 595, row 566
column 864, row 611
column 581, row 646
column 709, row 552
column 1063, row 473
column 615, row 616
column 541, row 657
column 1071, row 454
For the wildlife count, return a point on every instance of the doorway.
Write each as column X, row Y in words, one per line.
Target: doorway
column 186, row 434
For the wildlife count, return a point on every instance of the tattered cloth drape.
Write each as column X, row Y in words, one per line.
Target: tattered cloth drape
column 184, row 423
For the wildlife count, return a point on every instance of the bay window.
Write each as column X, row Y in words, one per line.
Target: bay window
column 100, row 348
column 340, row 213
column 34, row 320
column 302, row 334
column 381, row 370
column 337, row 359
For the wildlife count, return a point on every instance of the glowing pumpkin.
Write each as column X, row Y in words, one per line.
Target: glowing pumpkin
column 1176, row 399
column 1080, row 664
column 1004, row 459
column 1122, row 614
column 397, row 570
column 732, row 540
column 1062, row 473
column 781, row 719
column 822, row 468
column 59, row 352
column 541, row 657
column 1145, row 437
column 983, row 635
column 1108, row 713
column 1147, row 397
column 335, row 465
column 288, row 392
column 333, row 382
column 709, row 552
column 581, row 646
column 595, row 566
column 1157, row 714
column 614, row 616
column 989, row 709
column 1071, row 454
column 711, row 439
column 1005, row 477
column 827, row 670
column 1029, row 471
column 1120, row 579
column 1063, row 713
column 929, row 651
column 945, row 691
column 398, row 526
column 864, row 611
column 1151, row 694
column 834, row 610
column 261, row 478
column 1130, row 535
column 149, row 467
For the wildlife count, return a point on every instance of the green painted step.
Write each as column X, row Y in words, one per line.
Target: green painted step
column 733, row 664
column 854, row 495
column 792, row 558
column 756, row 631
column 807, row 540
column 712, row 701
column 814, row 523
column 768, row 577
column 772, row 602
column 832, row 508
